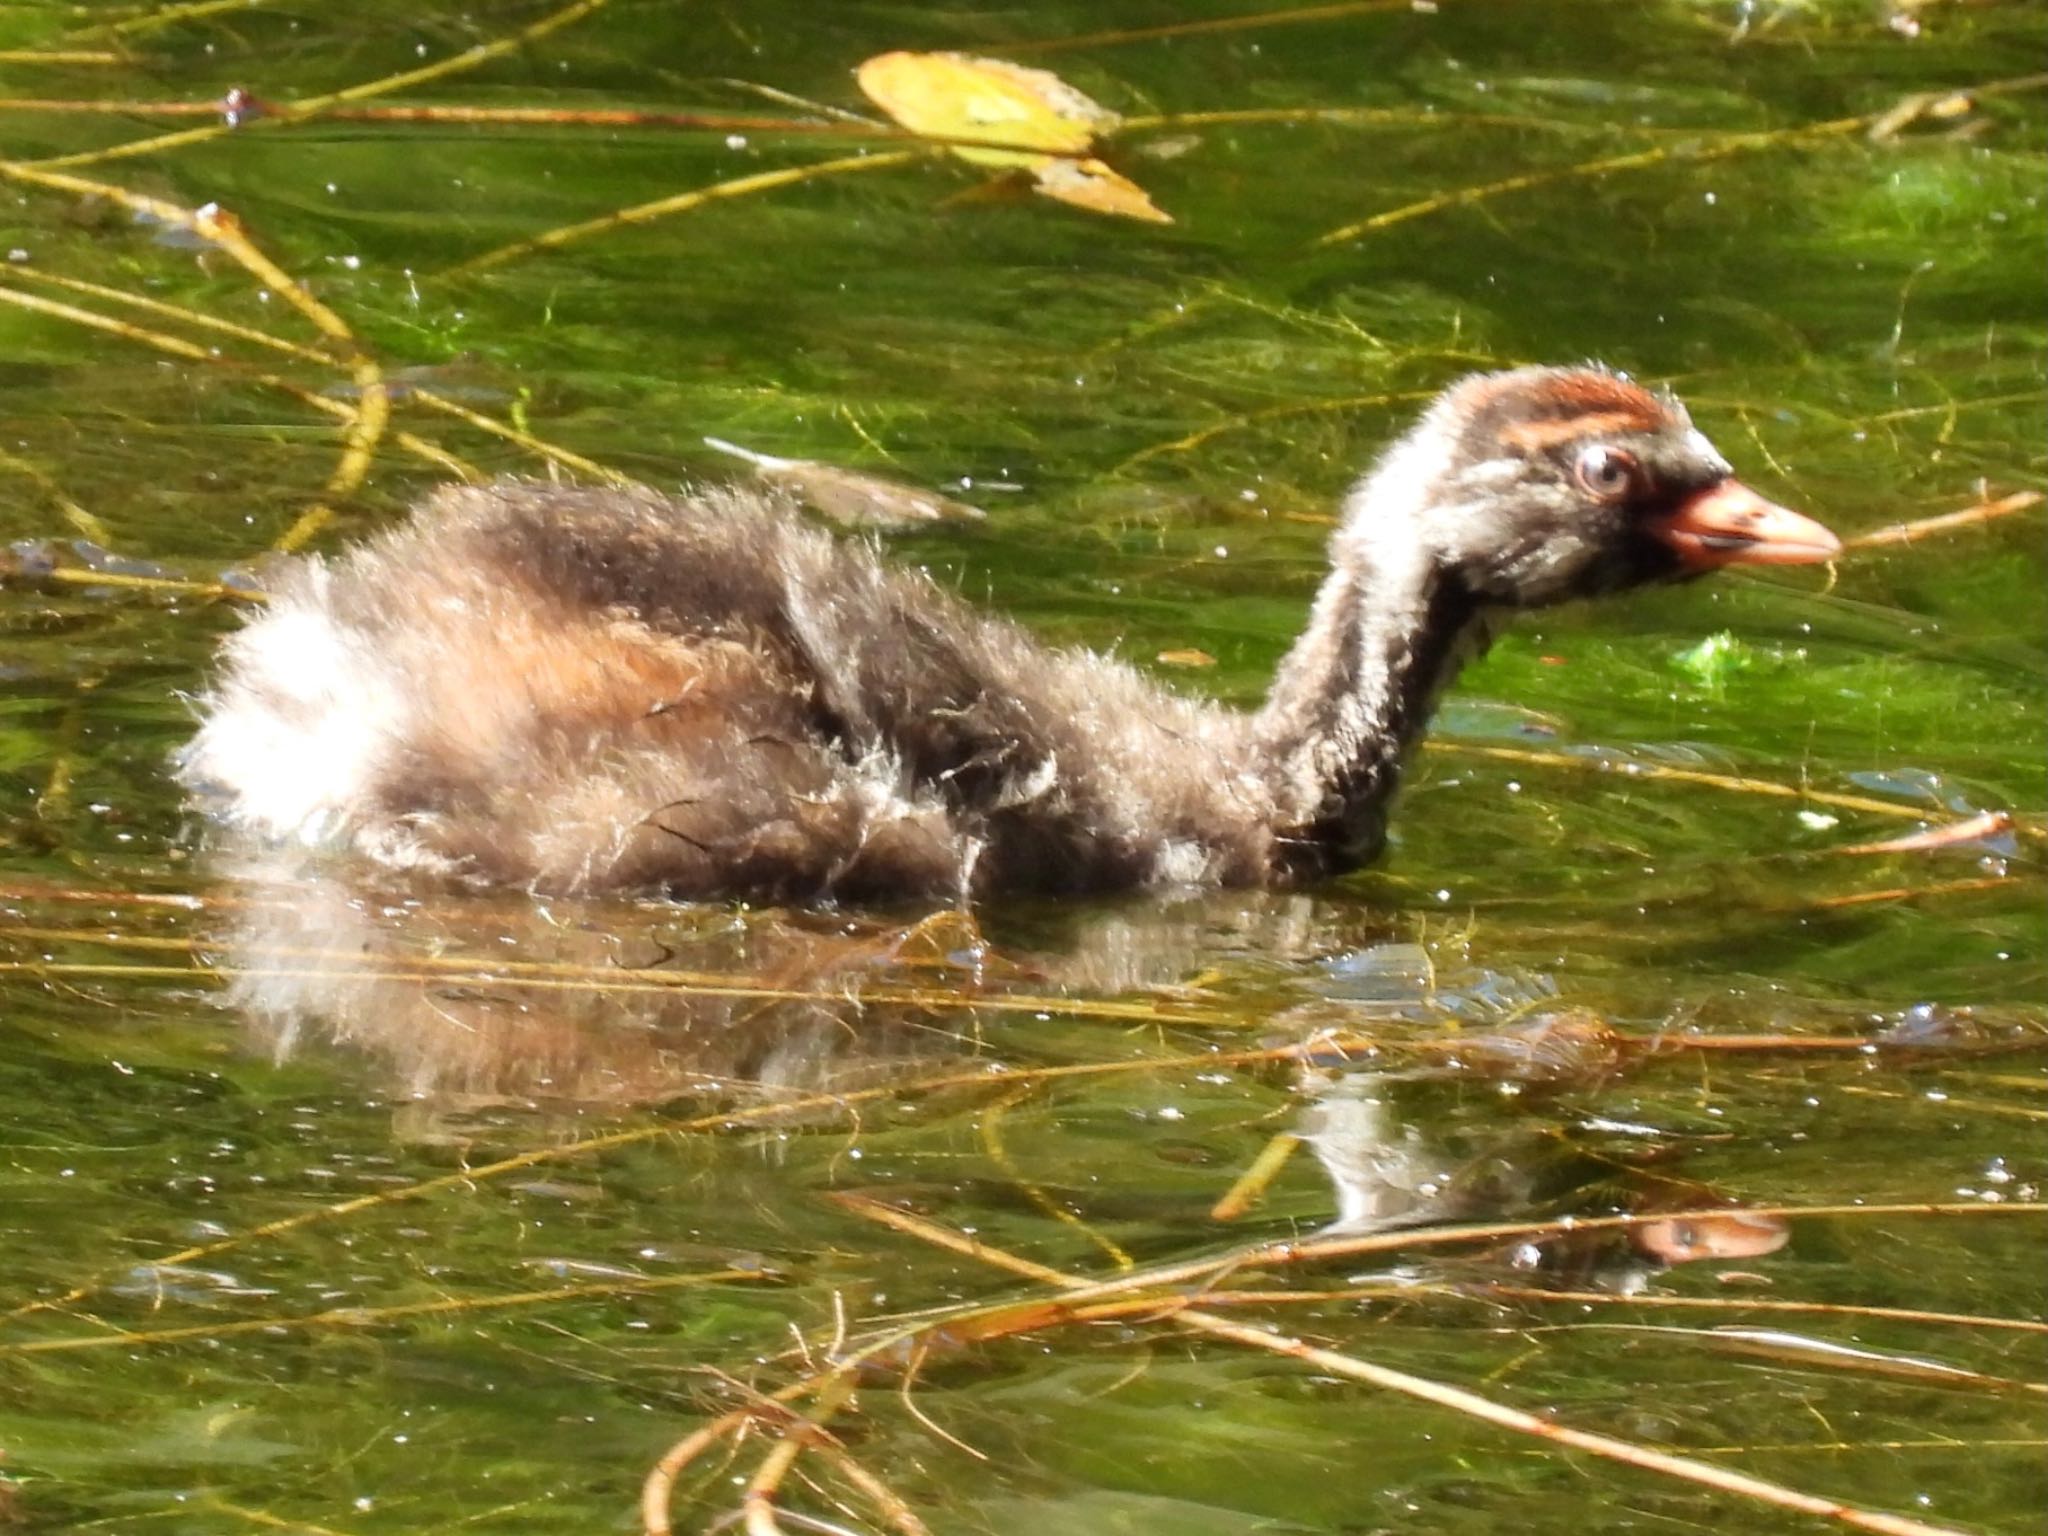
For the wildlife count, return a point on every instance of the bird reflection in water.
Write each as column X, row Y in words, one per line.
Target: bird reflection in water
column 475, row 998
column 475, row 1001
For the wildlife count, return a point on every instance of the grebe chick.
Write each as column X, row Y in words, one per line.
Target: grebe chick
column 584, row 691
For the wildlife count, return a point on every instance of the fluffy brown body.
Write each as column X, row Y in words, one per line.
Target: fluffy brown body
column 590, row 690
column 611, row 689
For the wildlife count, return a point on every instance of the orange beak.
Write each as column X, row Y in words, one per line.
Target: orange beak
column 1729, row 524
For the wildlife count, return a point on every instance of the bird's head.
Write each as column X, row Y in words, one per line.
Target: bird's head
column 1539, row 485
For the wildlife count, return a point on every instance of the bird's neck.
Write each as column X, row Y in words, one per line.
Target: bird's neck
column 1389, row 632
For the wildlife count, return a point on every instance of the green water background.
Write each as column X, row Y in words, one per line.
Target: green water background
column 1156, row 419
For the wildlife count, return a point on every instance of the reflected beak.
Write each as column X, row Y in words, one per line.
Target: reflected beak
column 1729, row 524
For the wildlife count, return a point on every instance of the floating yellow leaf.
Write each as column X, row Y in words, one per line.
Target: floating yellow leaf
column 957, row 96
column 1036, row 122
column 1094, row 186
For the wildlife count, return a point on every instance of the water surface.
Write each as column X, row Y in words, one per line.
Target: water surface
column 334, row 1203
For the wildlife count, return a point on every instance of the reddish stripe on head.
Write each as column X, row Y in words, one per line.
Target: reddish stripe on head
column 1538, row 436
column 1584, row 392
column 1534, row 409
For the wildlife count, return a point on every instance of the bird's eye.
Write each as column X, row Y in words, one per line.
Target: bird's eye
column 1607, row 473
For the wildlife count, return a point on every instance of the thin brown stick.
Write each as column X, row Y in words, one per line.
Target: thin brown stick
column 657, row 1492
column 363, row 1317
column 251, row 109
column 1663, row 773
column 1966, row 517
column 1950, row 409
column 263, row 1517
column 991, row 1129
column 1751, row 1304
column 904, row 1390
column 533, row 975
column 314, row 106
column 177, row 346
column 101, row 106
column 1960, row 1103
column 729, row 1119
column 1628, row 1453
column 758, row 1498
column 372, row 412
column 554, row 453
column 1912, row 892
column 1250, row 1186
column 163, row 586
column 366, row 421
column 248, row 110
column 683, row 202
column 423, row 971
column 1293, row 408
column 461, row 1178
column 1466, row 197
column 1723, row 148
column 78, row 517
column 1806, row 1353
column 30, row 889
column 1250, row 22
column 1456, row 1399
column 156, row 16
column 430, row 398
column 547, row 974
column 57, row 56
column 168, row 311
column 1391, row 117
column 1973, row 1447
column 1973, row 829
column 1318, row 1250
column 913, row 1225
column 886, row 1500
